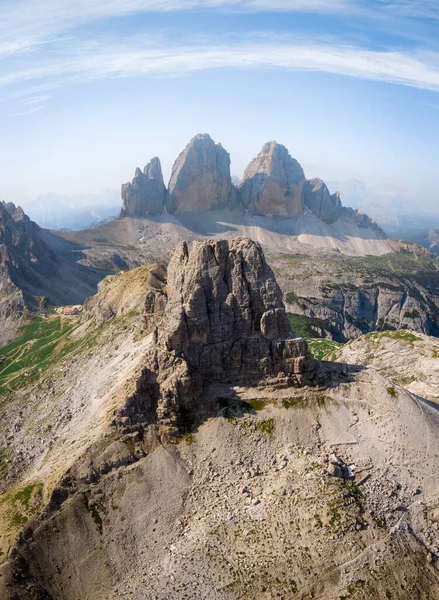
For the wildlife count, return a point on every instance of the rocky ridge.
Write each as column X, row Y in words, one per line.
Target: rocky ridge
column 408, row 359
column 343, row 298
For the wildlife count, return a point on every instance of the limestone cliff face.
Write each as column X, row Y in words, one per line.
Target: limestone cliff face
column 21, row 252
column 200, row 178
column 225, row 314
column 224, row 322
column 145, row 196
column 324, row 205
column 19, row 235
column 273, row 182
column 274, row 185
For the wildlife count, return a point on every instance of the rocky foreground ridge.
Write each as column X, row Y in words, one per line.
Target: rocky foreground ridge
column 222, row 319
column 274, row 184
column 211, row 457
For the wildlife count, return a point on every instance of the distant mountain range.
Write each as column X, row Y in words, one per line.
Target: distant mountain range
column 57, row 211
column 399, row 215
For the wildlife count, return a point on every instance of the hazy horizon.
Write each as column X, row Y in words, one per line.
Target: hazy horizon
column 90, row 92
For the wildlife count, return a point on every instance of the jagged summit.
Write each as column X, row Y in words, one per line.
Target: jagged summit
column 225, row 314
column 222, row 320
column 317, row 198
column 145, row 196
column 200, row 178
column 272, row 183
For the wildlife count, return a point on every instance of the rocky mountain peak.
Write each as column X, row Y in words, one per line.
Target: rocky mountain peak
column 9, row 210
column 153, row 169
column 200, row 178
column 272, row 183
column 145, row 196
column 226, row 316
column 221, row 321
column 318, row 199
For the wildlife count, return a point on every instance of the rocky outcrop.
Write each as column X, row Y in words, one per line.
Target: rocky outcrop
column 343, row 298
column 224, row 322
column 18, row 234
column 324, row 205
column 225, row 315
column 273, row 182
column 200, row 178
column 124, row 294
column 358, row 217
column 145, row 196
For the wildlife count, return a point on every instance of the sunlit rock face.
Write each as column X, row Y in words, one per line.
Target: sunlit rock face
column 272, row 183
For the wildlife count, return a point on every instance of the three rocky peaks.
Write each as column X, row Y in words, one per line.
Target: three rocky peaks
column 274, row 184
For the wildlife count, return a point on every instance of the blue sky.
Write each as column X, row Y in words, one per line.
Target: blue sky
column 90, row 90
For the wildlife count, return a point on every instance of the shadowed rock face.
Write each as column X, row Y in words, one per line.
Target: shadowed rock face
column 273, row 182
column 145, row 196
column 37, row 265
column 19, row 234
column 324, row 205
column 200, row 178
column 226, row 317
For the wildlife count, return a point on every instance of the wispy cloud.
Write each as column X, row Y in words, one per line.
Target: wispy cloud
column 420, row 70
column 27, row 112
column 36, row 100
column 47, row 44
column 32, row 23
column 25, row 24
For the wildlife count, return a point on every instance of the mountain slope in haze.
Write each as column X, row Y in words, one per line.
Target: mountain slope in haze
column 57, row 211
column 37, row 269
column 398, row 214
column 152, row 482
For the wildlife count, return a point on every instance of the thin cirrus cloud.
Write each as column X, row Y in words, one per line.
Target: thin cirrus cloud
column 33, row 22
column 25, row 24
column 419, row 70
column 45, row 45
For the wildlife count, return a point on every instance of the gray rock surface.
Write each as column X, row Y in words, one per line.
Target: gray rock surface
column 226, row 316
column 34, row 264
column 200, row 178
column 273, row 182
column 145, row 196
column 272, row 492
column 324, row 205
column 346, row 297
